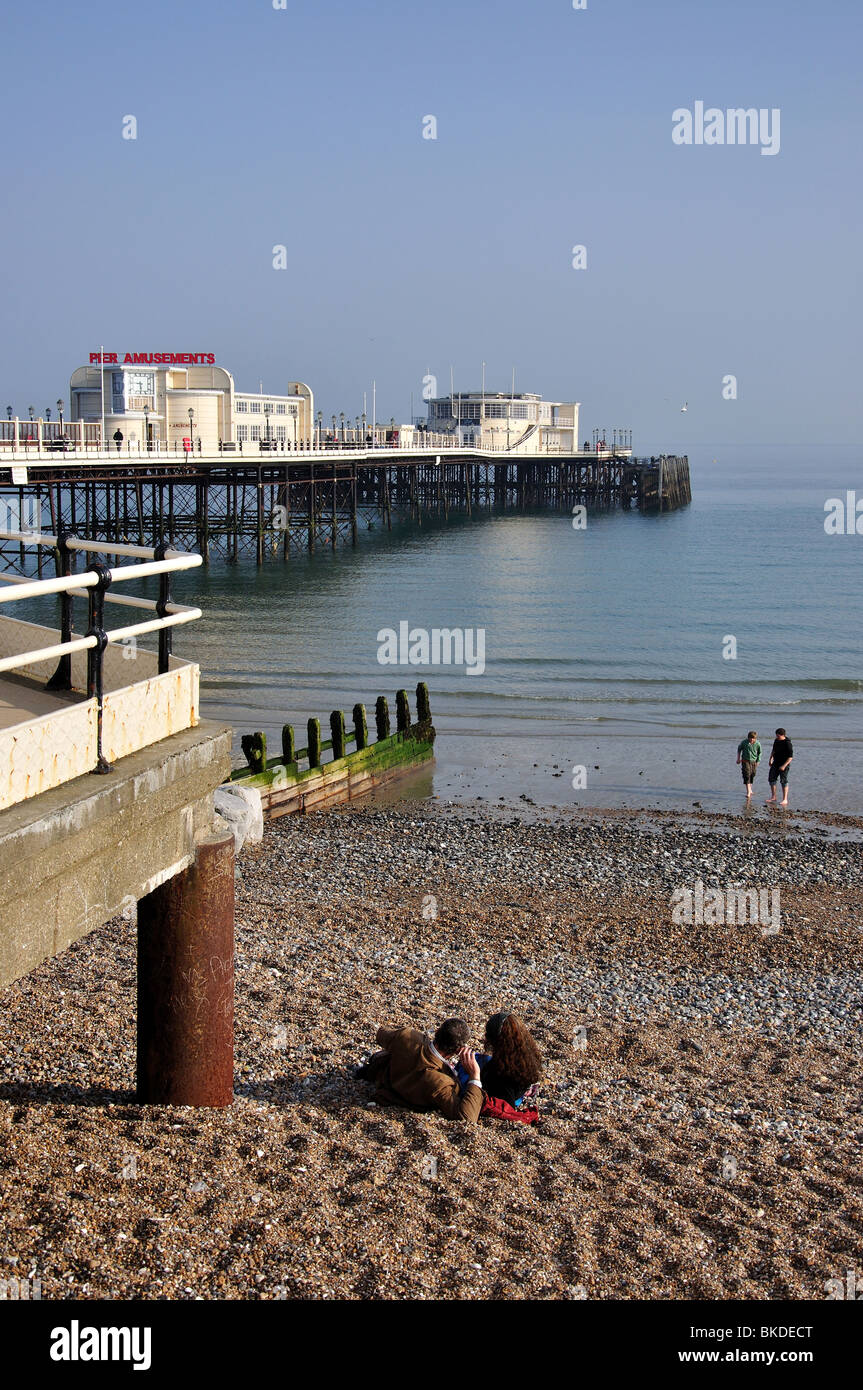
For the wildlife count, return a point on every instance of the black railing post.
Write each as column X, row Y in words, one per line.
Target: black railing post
column 165, row 633
column 62, row 677
column 95, row 657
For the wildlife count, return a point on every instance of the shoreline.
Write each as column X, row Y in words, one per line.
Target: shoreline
column 800, row 820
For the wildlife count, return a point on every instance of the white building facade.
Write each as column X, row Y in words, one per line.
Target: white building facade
column 508, row 421
column 170, row 399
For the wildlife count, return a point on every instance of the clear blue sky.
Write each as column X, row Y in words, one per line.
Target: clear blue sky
column 303, row 127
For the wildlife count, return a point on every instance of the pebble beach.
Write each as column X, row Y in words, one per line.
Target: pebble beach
column 701, row 1132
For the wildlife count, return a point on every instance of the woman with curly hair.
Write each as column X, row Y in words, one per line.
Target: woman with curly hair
column 514, row 1066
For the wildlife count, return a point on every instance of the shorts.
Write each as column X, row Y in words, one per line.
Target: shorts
column 749, row 770
column 775, row 775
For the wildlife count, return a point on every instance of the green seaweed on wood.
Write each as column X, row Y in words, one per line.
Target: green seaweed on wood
column 361, row 728
column 423, row 703
column 337, row 730
column 403, row 712
column 254, row 748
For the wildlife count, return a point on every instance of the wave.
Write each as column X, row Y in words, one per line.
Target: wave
column 848, row 683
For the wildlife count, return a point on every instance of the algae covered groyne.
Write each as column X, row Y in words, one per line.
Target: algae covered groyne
column 300, row 779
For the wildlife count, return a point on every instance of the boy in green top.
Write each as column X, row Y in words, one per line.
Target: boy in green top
column 748, row 758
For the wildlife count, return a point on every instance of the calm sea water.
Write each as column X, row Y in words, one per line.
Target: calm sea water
column 604, row 646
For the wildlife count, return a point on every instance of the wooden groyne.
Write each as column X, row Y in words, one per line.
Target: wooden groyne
column 268, row 506
column 300, row 780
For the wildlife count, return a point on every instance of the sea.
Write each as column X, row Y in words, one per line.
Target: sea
column 623, row 660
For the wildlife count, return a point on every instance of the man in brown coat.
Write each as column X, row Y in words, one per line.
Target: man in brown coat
column 415, row 1070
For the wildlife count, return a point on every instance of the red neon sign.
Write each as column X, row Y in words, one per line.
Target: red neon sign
column 154, row 359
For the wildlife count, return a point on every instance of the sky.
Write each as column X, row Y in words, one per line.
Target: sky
column 260, row 127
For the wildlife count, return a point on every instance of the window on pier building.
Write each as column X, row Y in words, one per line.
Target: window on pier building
column 255, row 407
column 281, row 408
column 242, row 434
column 242, row 407
column 281, row 433
column 254, row 432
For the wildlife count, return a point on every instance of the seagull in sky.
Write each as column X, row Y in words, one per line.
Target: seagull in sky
column 684, row 407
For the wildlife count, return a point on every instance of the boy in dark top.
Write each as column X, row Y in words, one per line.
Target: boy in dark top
column 780, row 761
column 748, row 758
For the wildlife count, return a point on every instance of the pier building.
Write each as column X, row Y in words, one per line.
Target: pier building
column 521, row 422
column 161, row 399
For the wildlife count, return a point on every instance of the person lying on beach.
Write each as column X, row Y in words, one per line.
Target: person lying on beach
column 748, row 758
column 511, row 1067
column 416, row 1070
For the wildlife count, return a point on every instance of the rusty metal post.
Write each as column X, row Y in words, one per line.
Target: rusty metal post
column 186, row 983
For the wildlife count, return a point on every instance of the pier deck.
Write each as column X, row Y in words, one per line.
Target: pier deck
column 22, row 700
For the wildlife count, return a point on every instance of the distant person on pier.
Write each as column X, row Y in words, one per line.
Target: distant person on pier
column 511, row 1067
column 418, row 1071
column 118, row 439
column 780, row 762
column 748, row 758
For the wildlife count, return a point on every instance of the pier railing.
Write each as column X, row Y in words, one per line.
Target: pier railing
column 93, row 584
column 50, row 441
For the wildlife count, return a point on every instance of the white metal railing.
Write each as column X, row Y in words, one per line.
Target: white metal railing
column 93, row 584
column 73, row 444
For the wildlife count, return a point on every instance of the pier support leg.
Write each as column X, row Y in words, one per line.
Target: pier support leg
column 186, row 983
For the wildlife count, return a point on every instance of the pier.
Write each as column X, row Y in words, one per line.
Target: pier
column 266, row 505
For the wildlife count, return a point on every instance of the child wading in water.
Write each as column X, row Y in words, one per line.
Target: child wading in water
column 748, row 758
column 780, row 761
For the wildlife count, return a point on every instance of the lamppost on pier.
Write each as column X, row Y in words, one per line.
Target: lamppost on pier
column 267, row 418
column 48, row 413
column 320, row 426
column 191, row 430
column 8, row 412
column 60, row 413
column 342, row 420
column 147, row 428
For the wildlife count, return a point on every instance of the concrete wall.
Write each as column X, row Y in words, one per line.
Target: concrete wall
column 76, row 856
